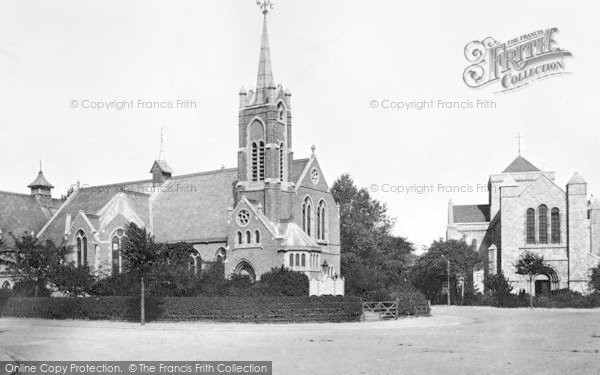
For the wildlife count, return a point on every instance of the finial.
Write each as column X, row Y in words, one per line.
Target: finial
column 519, row 140
column 313, row 148
column 161, row 154
column 40, row 165
column 264, row 5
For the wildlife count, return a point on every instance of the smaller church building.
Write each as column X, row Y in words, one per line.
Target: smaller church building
column 528, row 211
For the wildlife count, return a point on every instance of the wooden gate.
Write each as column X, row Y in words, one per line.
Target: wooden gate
column 380, row 309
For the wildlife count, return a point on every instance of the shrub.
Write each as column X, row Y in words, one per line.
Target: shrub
column 283, row 282
column 187, row 308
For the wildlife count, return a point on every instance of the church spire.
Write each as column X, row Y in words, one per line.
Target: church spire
column 264, row 80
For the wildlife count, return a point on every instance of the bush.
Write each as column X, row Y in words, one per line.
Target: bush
column 283, row 282
column 292, row 309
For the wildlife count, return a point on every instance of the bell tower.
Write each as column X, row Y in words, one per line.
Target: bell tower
column 265, row 143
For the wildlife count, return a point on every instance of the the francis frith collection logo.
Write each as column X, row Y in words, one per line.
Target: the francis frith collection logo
column 515, row 63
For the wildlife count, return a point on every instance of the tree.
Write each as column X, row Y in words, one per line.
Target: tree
column 430, row 271
column 140, row 253
column 498, row 287
column 34, row 263
column 373, row 260
column 595, row 279
column 530, row 264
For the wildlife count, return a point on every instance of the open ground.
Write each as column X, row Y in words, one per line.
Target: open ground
column 455, row 340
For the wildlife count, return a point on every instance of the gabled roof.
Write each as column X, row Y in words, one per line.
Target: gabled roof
column 576, row 179
column 519, row 165
column 298, row 167
column 21, row 213
column 40, row 181
column 161, row 166
column 294, row 238
column 471, row 213
column 89, row 200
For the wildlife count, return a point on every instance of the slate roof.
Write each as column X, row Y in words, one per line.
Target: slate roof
column 471, row 213
column 24, row 213
column 297, row 169
column 519, row 165
column 162, row 166
column 294, row 238
column 184, row 208
column 90, row 200
column 40, row 181
column 193, row 207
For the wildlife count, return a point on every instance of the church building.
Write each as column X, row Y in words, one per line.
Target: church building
column 528, row 211
column 272, row 210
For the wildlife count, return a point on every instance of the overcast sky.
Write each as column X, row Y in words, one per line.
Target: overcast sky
column 334, row 56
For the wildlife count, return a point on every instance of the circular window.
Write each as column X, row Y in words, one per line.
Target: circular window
column 314, row 176
column 243, row 217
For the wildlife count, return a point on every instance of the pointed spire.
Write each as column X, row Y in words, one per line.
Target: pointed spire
column 264, row 80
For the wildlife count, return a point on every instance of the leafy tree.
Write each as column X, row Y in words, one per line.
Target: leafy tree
column 430, row 271
column 530, row 264
column 373, row 260
column 34, row 263
column 595, row 279
column 140, row 253
column 498, row 287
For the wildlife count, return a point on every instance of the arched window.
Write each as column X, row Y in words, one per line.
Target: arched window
column 221, row 255
column 306, row 215
column 193, row 265
column 257, row 236
column 530, row 226
column 321, row 220
column 248, row 237
column 280, row 112
column 291, row 260
column 261, row 160
column 543, row 224
column 239, row 238
column 281, row 160
column 303, row 263
column 116, row 248
column 81, row 249
column 254, row 161
column 297, row 260
column 555, row 225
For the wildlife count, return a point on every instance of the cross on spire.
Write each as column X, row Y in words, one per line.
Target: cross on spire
column 519, row 140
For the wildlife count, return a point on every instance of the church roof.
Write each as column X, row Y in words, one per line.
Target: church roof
column 89, row 200
column 519, row 165
column 471, row 213
column 576, row 179
column 294, row 238
column 194, row 207
column 21, row 213
column 40, row 181
column 297, row 169
column 185, row 208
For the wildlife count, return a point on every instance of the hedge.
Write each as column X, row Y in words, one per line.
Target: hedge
column 256, row 309
column 559, row 299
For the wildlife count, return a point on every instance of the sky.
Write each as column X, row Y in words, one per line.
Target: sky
column 337, row 58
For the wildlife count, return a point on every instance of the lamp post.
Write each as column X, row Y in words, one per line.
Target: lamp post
column 448, row 274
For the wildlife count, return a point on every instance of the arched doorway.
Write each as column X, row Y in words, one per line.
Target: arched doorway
column 244, row 268
column 546, row 282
